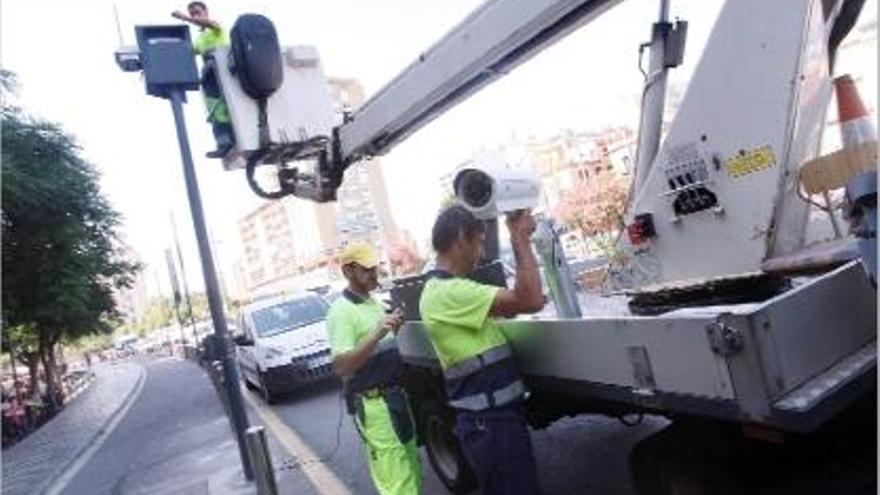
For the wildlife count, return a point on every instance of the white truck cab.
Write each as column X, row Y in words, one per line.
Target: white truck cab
column 281, row 343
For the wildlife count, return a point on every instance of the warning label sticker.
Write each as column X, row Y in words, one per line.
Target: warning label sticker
column 747, row 162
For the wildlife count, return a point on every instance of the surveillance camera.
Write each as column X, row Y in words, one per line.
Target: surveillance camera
column 128, row 58
column 491, row 191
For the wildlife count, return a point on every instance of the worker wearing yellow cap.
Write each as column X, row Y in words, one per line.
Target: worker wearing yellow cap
column 365, row 355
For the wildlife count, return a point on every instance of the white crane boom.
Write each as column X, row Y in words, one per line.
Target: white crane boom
column 492, row 40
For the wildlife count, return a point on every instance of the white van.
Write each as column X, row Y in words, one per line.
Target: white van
column 281, row 343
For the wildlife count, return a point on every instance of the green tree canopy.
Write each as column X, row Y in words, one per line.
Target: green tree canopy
column 61, row 261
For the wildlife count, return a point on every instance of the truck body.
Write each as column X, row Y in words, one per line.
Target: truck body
column 789, row 362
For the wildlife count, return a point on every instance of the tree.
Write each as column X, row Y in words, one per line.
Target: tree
column 159, row 313
column 200, row 309
column 594, row 208
column 61, row 256
column 22, row 345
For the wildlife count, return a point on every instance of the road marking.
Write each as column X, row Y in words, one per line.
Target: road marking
column 320, row 476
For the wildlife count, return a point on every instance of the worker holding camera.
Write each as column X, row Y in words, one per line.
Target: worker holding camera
column 365, row 355
column 483, row 383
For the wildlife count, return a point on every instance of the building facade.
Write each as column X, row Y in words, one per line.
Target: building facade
column 132, row 301
column 363, row 213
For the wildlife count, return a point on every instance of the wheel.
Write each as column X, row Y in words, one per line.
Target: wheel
column 444, row 451
column 676, row 461
column 247, row 383
column 265, row 391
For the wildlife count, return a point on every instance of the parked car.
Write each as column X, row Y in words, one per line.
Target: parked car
column 281, row 343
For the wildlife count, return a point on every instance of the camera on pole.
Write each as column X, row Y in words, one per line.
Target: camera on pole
column 165, row 55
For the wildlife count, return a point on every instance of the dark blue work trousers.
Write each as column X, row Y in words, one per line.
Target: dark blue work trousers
column 499, row 449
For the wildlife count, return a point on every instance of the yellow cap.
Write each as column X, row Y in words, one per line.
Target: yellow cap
column 359, row 253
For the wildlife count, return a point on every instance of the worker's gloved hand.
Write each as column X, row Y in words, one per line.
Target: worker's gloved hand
column 521, row 224
column 178, row 15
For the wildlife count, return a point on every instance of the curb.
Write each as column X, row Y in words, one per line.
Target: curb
column 84, row 385
column 62, row 476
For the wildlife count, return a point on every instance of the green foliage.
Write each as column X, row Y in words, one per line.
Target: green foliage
column 200, row 309
column 92, row 343
column 159, row 313
column 60, row 247
column 24, row 339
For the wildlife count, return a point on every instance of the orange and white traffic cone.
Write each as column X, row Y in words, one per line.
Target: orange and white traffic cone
column 856, row 125
column 860, row 202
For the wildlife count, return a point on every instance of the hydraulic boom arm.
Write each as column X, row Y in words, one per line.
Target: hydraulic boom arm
column 491, row 41
column 494, row 39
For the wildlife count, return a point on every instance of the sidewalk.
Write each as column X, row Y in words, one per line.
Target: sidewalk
column 156, row 427
column 30, row 466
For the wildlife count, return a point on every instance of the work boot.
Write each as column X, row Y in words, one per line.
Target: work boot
column 220, row 152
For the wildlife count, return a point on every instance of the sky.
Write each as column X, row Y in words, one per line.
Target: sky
column 62, row 51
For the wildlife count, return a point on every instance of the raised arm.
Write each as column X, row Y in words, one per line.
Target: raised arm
column 526, row 295
column 201, row 22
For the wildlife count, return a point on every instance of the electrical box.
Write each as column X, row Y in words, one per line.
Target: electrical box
column 167, row 57
column 300, row 113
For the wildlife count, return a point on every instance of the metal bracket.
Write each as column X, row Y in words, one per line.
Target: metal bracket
column 676, row 38
column 723, row 339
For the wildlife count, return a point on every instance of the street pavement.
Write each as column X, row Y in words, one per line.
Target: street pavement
column 175, row 439
column 588, row 454
column 157, row 426
column 32, row 464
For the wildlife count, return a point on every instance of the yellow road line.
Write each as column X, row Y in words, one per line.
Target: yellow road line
column 320, row 476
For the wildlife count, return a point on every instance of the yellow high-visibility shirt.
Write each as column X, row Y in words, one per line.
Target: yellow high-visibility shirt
column 350, row 321
column 456, row 314
column 209, row 39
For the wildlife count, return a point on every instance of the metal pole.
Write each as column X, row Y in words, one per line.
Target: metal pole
column 180, row 323
column 192, row 318
column 159, row 291
column 654, row 99
column 230, row 371
column 491, row 246
column 221, row 278
column 557, row 272
column 259, row 452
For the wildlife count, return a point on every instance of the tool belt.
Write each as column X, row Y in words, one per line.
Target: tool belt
column 352, row 397
column 394, row 397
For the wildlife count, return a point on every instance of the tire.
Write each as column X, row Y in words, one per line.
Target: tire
column 675, row 461
column 443, row 449
column 247, row 383
column 266, row 392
